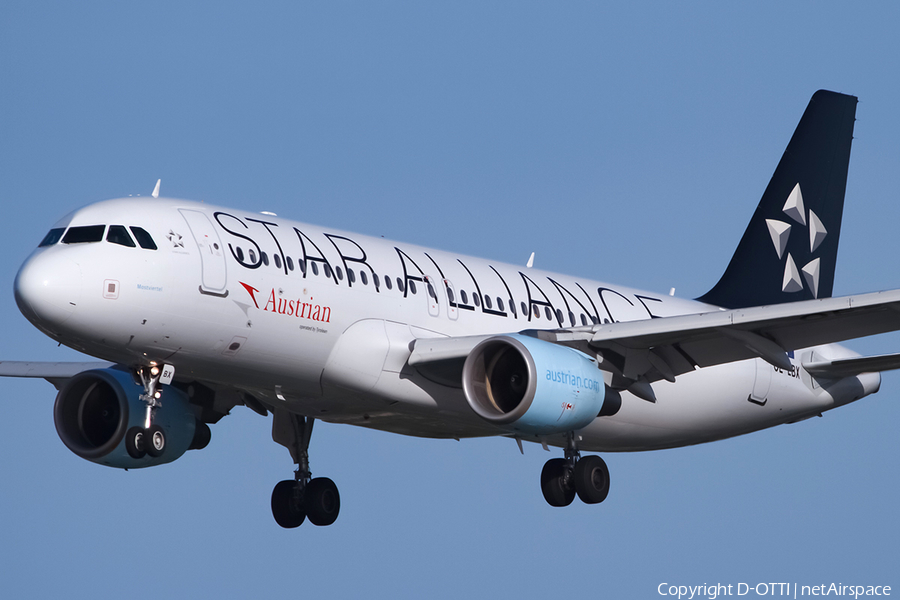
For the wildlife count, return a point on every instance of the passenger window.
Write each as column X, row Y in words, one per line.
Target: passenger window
column 364, row 277
column 240, row 253
column 351, row 276
column 81, row 235
column 327, row 270
column 143, row 238
column 595, row 320
column 277, row 260
column 117, row 234
column 412, row 286
column 537, row 312
column 499, row 303
column 583, row 320
column 302, row 264
column 290, row 262
column 264, row 257
column 524, row 308
column 571, row 318
column 464, row 296
column 387, row 282
column 340, row 273
column 53, row 236
column 377, row 281
column 400, row 285
column 487, row 301
column 512, row 306
column 559, row 315
column 315, row 268
column 476, row 299
column 431, row 291
column 252, row 253
column 450, row 294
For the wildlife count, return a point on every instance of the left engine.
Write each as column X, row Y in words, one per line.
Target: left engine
column 95, row 409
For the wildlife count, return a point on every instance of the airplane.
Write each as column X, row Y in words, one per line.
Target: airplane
column 194, row 309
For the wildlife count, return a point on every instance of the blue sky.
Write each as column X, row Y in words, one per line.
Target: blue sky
column 623, row 142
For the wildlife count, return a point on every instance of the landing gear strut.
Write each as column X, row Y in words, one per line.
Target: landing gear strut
column 295, row 500
column 149, row 439
column 562, row 478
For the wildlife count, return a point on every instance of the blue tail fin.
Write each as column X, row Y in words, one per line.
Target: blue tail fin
column 789, row 249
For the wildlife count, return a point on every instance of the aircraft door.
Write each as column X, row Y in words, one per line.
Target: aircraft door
column 212, row 256
column 452, row 310
column 761, row 383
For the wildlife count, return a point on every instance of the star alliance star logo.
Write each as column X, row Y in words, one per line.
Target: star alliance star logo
column 781, row 231
column 175, row 238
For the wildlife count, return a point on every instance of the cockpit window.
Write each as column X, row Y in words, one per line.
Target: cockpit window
column 52, row 237
column 143, row 238
column 117, row 234
column 81, row 235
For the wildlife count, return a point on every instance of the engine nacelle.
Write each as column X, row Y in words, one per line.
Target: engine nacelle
column 529, row 385
column 95, row 408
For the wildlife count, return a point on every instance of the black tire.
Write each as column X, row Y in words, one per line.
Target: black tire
column 322, row 501
column 155, row 441
column 134, row 443
column 287, row 507
column 591, row 479
column 557, row 491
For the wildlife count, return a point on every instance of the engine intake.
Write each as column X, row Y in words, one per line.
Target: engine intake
column 529, row 385
column 95, row 408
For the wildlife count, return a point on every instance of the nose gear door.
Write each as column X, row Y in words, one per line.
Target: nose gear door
column 212, row 256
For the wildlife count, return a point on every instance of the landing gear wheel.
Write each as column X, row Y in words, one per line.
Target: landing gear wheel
column 555, row 484
column 321, row 501
column 155, row 441
column 287, row 505
column 134, row 443
column 591, row 479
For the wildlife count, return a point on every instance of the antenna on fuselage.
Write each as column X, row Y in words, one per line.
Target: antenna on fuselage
column 155, row 193
column 530, row 262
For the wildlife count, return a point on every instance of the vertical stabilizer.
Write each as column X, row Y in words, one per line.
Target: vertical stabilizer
column 789, row 249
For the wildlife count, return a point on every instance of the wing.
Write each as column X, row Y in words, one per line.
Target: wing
column 665, row 347
column 55, row 372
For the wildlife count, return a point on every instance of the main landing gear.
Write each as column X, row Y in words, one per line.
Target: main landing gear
column 562, row 478
column 293, row 501
column 149, row 439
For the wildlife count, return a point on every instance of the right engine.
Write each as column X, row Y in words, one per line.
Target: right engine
column 525, row 384
column 95, row 409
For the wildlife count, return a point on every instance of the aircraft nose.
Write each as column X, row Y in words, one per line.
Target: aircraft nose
column 48, row 289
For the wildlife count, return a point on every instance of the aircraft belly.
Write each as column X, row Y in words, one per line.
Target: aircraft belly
column 706, row 405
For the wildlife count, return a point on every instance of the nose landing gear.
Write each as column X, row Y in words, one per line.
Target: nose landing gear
column 563, row 478
column 293, row 501
column 149, row 439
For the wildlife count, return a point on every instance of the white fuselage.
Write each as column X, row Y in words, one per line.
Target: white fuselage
column 320, row 322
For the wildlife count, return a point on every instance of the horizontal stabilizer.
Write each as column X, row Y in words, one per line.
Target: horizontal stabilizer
column 848, row 367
